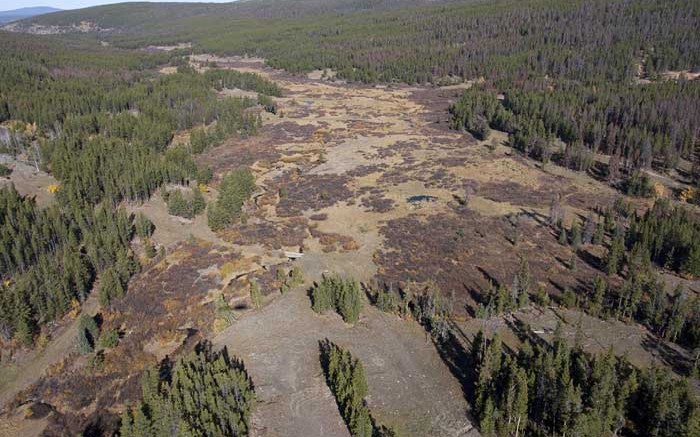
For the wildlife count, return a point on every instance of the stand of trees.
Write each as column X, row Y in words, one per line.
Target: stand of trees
column 426, row 305
column 500, row 299
column 50, row 258
column 635, row 125
column 347, row 381
column 338, row 294
column 669, row 236
column 559, row 391
column 204, row 393
column 235, row 188
column 528, row 41
column 664, row 236
column 181, row 206
column 230, row 79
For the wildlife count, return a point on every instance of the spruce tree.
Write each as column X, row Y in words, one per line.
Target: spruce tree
column 575, row 235
column 691, row 264
column 599, row 233
column 615, row 254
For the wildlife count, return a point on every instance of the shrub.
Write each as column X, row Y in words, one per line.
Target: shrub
column 5, row 170
column 109, row 339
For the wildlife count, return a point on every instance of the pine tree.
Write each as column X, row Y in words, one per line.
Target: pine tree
column 144, row 226
column 599, row 293
column 85, row 346
column 563, row 238
column 111, row 287
column 524, row 283
column 599, row 233
column 198, row 202
column 209, row 394
column 88, row 333
column 334, row 292
column 346, row 379
column 691, row 264
column 615, row 254
column 542, row 297
column 575, row 235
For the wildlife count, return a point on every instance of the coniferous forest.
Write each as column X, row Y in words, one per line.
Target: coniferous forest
column 101, row 124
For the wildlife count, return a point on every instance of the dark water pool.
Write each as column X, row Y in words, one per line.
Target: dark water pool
column 421, row 198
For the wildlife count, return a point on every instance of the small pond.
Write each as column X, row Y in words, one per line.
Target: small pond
column 421, row 198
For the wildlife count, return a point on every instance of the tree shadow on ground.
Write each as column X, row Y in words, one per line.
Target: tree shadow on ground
column 669, row 356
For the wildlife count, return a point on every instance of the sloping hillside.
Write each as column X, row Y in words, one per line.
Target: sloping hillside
column 22, row 13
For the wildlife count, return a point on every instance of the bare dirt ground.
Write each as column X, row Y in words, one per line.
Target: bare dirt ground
column 409, row 386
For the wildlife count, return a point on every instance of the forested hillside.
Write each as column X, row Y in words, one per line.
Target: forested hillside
column 510, row 40
column 100, row 120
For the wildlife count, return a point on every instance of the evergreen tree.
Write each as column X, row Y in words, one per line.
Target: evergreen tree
column 88, row 333
column 346, row 379
column 111, row 287
column 615, row 254
column 144, row 226
column 575, row 235
column 691, row 265
column 563, row 238
column 334, row 292
column 255, row 294
column 599, row 292
column 599, row 233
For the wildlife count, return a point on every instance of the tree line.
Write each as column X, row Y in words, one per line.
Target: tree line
column 636, row 126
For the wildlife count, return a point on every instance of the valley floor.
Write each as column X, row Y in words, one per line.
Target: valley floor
column 336, row 169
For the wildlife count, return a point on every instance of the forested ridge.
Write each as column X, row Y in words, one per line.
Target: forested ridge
column 497, row 40
column 100, row 120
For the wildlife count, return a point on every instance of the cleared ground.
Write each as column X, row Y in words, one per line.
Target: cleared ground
column 409, row 386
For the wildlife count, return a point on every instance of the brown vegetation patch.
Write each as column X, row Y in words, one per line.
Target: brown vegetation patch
column 376, row 202
column 238, row 152
column 290, row 233
column 310, row 192
column 462, row 251
column 515, row 193
column 365, row 170
column 163, row 309
column 332, row 242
